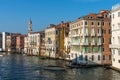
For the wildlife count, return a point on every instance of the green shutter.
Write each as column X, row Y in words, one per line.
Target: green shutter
column 99, row 49
column 93, row 49
column 86, row 49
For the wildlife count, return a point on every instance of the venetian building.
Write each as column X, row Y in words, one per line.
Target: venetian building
column 20, row 43
column 63, row 30
column 42, row 43
column 51, row 41
column 11, row 43
column 87, row 36
column 0, row 41
column 115, row 45
column 32, row 41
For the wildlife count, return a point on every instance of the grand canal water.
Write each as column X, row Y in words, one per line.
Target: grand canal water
column 20, row 67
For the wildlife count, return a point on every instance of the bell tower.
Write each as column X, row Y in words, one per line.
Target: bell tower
column 30, row 26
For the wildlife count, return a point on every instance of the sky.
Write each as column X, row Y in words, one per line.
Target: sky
column 15, row 14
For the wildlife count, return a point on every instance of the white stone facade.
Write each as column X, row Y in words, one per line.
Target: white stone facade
column 32, row 44
column 115, row 46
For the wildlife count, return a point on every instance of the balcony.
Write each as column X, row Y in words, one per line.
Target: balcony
column 99, row 43
column 98, row 34
column 92, row 34
column 99, row 26
column 85, row 34
column 115, row 46
column 84, row 43
column 48, row 44
column 92, row 26
column 92, row 43
column 76, row 35
column 77, row 43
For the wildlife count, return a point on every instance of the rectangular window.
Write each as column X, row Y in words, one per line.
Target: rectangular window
column 109, row 31
column 118, row 14
column 83, row 49
column 85, row 22
column 113, row 16
column 93, row 40
column 92, row 23
column 119, row 52
column 99, row 31
column 102, row 23
column 118, row 61
column 109, row 24
column 93, row 49
column 98, row 57
column 99, row 49
column 109, row 40
column 110, row 49
column 103, row 57
column 109, row 57
column 113, row 51
column 98, row 23
column 86, row 30
column 86, row 58
column 92, row 57
column 118, row 25
column 99, row 40
column 113, row 59
column 86, row 49
column 119, row 39
column 103, row 40
column 56, row 32
column 92, row 30
column 86, row 40
column 102, row 31
column 103, row 49
column 113, row 39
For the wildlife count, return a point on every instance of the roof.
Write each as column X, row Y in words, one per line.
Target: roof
column 96, row 16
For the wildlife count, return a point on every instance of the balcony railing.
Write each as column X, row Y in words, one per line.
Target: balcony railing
column 99, row 43
column 76, row 35
column 92, row 43
column 92, row 26
column 84, row 43
column 98, row 34
column 77, row 43
column 99, row 26
column 84, row 34
column 115, row 46
column 92, row 34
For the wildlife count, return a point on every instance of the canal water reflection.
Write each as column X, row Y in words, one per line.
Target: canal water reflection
column 20, row 67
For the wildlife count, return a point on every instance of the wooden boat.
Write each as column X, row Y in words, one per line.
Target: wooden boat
column 79, row 66
column 107, row 67
column 55, row 68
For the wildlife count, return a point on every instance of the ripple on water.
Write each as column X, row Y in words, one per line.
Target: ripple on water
column 18, row 67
